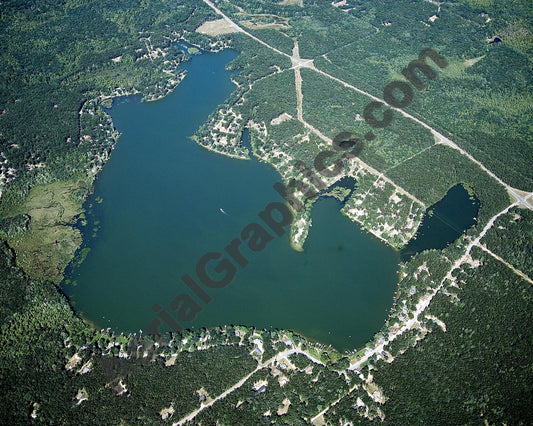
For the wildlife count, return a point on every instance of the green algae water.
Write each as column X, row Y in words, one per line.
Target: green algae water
column 167, row 202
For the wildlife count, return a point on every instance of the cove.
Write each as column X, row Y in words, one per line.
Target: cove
column 163, row 197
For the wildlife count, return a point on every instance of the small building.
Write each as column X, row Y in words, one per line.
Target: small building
column 261, row 390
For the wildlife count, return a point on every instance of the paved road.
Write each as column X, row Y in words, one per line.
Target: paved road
column 308, row 63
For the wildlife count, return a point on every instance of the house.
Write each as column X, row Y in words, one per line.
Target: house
column 260, row 387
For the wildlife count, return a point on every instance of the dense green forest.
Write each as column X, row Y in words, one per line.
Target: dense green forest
column 480, row 99
column 480, row 366
column 512, row 239
column 467, row 360
column 335, row 111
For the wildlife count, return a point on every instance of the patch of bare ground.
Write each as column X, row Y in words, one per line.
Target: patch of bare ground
column 285, row 408
column 215, row 28
column 470, row 62
column 280, row 119
column 264, row 25
column 291, row 2
column 339, row 3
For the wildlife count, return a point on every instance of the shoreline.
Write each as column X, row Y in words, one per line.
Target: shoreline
column 295, row 246
column 209, row 148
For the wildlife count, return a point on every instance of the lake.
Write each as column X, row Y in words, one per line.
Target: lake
column 163, row 197
column 444, row 222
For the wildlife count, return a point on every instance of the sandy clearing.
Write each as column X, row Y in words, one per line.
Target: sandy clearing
column 167, row 412
column 280, row 119
column 215, row 28
column 73, row 361
column 290, row 2
column 171, row 361
column 285, row 408
column 470, row 62
column 263, row 26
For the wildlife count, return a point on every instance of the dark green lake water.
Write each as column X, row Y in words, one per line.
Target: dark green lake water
column 162, row 196
column 444, row 222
